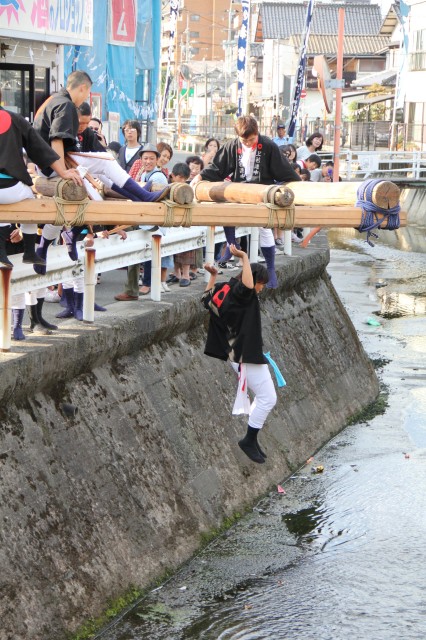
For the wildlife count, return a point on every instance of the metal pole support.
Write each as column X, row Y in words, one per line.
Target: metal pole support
column 5, row 310
column 156, row 268
column 254, row 244
column 210, row 243
column 89, row 285
column 287, row 242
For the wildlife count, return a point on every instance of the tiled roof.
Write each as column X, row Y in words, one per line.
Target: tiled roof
column 284, row 19
column 352, row 45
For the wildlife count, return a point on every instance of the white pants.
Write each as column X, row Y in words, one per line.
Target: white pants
column 18, row 192
column 20, row 300
column 260, row 382
column 266, row 237
column 102, row 166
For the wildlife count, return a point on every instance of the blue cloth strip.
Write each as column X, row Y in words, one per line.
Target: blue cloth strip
column 278, row 375
column 4, row 175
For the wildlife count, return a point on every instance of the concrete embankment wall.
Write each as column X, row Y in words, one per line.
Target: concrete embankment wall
column 122, row 491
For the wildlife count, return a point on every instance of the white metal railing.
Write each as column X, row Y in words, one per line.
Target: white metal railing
column 359, row 165
column 107, row 255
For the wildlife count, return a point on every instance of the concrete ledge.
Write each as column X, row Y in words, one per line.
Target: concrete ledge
column 113, row 496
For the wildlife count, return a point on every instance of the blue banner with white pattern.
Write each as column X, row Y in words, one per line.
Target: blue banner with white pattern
column 242, row 55
column 173, row 16
column 300, row 76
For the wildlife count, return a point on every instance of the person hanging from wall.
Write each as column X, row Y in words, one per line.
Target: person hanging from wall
column 235, row 333
column 250, row 157
column 57, row 122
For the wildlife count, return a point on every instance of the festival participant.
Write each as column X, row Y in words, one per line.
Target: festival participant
column 235, row 333
column 15, row 182
column 57, row 122
column 250, row 157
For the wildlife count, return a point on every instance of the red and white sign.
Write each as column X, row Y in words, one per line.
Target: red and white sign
column 303, row 94
column 122, row 19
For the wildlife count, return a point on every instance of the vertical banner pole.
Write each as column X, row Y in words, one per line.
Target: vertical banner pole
column 242, row 58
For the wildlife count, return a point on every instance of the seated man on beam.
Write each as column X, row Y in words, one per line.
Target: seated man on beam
column 15, row 182
column 57, row 122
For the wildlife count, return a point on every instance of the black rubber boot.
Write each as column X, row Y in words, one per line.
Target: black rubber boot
column 30, row 256
column 17, row 317
column 42, row 321
column 41, row 252
column 4, row 260
column 250, row 447
column 78, row 305
column 35, row 325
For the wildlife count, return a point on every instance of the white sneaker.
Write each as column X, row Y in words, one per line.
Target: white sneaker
column 165, row 287
column 295, row 238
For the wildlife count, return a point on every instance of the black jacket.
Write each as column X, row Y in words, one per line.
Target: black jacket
column 15, row 134
column 58, row 118
column 273, row 166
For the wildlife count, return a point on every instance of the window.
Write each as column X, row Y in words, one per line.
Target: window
column 417, row 47
column 371, row 66
column 194, row 34
column 195, row 50
column 194, row 17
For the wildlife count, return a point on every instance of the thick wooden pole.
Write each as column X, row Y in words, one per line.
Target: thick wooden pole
column 386, row 194
column 243, row 193
column 202, row 214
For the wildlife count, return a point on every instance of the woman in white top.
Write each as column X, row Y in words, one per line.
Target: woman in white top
column 312, row 145
column 129, row 153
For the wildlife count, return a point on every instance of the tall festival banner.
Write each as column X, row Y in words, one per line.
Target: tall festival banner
column 242, row 56
column 174, row 12
column 300, row 71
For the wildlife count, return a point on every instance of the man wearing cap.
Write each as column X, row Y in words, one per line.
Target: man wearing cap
column 148, row 172
column 281, row 138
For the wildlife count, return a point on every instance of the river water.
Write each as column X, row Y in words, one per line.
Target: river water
column 340, row 554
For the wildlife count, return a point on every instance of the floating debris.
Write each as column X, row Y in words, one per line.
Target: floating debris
column 373, row 322
column 280, row 489
column 318, row 469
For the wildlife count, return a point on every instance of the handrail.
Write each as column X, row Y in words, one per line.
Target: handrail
column 105, row 255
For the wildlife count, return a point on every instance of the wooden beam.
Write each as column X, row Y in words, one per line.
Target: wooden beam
column 43, row 211
column 385, row 194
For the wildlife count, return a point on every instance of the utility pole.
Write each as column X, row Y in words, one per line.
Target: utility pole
column 339, row 78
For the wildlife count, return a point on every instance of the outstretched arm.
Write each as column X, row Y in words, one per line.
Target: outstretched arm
column 246, row 276
column 212, row 270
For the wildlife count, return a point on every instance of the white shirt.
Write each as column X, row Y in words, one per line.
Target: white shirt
column 247, row 160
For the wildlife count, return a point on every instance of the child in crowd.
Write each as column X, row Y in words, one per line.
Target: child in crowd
column 195, row 164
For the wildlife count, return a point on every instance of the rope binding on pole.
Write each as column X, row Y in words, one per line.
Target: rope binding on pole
column 373, row 216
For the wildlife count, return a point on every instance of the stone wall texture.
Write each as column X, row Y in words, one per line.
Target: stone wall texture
column 115, row 495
